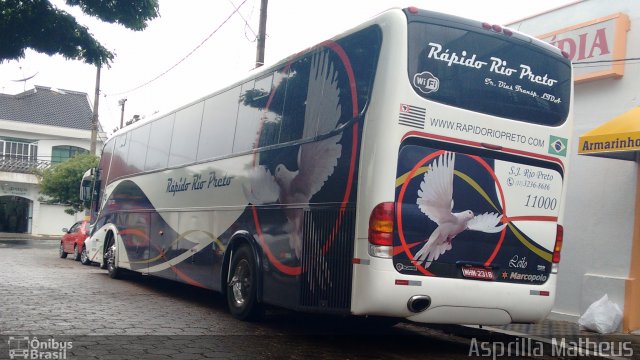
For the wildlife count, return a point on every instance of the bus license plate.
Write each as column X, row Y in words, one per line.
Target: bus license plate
column 478, row 272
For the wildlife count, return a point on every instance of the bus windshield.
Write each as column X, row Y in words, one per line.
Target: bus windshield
column 489, row 72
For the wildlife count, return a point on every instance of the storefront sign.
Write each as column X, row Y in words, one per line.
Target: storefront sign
column 617, row 138
column 13, row 189
column 595, row 47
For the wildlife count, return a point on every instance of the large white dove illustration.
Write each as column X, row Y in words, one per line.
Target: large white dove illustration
column 435, row 199
column 316, row 160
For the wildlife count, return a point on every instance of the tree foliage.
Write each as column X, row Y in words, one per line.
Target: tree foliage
column 41, row 26
column 60, row 183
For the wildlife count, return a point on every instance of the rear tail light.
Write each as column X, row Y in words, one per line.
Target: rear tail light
column 558, row 246
column 381, row 230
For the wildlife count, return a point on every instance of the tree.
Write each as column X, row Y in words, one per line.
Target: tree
column 41, row 26
column 60, row 183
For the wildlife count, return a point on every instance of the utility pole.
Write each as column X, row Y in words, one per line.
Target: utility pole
column 94, row 120
column 121, row 103
column 262, row 33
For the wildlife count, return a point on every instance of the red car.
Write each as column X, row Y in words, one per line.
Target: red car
column 72, row 241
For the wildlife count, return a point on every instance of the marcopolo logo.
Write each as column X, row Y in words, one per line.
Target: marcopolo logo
column 24, row 347
column 557, row 146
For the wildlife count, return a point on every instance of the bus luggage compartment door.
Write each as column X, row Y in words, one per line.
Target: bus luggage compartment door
column 473, row 213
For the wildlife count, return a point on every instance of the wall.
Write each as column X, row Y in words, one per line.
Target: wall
column 52, row 219
column 601, row 197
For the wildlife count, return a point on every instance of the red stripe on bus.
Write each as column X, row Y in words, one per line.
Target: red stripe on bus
column 532, row 218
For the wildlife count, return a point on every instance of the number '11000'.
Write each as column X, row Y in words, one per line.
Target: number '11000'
column 541, row 202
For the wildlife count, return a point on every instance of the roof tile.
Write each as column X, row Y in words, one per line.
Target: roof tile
column 48, row 106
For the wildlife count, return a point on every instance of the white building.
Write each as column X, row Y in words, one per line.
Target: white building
column 38, row 128
column 601, row 253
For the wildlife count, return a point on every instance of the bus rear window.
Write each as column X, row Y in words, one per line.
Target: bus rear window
column 489, row 73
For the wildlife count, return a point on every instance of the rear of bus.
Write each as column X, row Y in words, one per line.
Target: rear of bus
column 463, row 173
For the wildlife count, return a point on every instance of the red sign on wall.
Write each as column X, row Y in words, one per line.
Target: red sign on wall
column 595, row 47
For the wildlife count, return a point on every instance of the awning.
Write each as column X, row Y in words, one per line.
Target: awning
column 619, row 138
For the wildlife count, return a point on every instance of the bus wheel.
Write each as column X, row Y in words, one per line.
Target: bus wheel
column 110, row 259
column 108, row 241
column 242, row 287
column 61, row 251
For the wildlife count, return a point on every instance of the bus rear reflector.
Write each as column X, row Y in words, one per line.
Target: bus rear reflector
column 381, row 224
column 558, row 246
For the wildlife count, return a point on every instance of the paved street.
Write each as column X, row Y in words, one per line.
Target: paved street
column 51, row 304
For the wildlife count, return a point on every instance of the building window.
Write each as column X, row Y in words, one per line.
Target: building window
column 18, row 150
column 64, row 152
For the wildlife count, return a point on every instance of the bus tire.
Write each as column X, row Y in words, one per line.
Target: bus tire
column 110, row 258
column 242, row 287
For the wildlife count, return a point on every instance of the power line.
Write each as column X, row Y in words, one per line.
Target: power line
column 605, row 61
column 246, row 22
column 236, row 9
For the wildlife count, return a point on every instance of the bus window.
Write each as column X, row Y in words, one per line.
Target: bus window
column 119, row 163
column 248, row 121
column 159, row 143
column 105, row 160
column 294, row 103
column 270, row 111
column 138, row 148
column 184, row 144
column 493, row 75
column 218, row 124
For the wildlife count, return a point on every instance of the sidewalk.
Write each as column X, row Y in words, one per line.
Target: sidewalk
column 556, row 333
column 558, row 339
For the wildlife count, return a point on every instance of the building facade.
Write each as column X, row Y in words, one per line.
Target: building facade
column 602, row 242
column 38, row 128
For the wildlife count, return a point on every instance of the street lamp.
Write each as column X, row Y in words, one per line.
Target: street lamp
column 121, row 103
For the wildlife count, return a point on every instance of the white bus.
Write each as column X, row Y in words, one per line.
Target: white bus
column 412, row 167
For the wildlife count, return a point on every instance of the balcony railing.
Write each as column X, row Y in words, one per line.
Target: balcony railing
column 25, row 166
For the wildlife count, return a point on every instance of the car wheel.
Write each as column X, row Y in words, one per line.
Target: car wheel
column 84, row 257
column 242, row 287
column 76, row 253
column 61, row 251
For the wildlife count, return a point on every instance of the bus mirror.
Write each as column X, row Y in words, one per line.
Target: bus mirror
column 85, row 190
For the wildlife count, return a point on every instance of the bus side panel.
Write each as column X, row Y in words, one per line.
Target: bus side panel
column 288, row 179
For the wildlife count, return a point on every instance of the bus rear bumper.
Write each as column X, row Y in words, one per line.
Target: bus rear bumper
column 450, row 301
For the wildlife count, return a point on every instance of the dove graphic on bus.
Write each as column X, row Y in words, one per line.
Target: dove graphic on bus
column 435, row 200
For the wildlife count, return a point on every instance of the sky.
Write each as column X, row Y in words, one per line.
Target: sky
column 196, row 47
